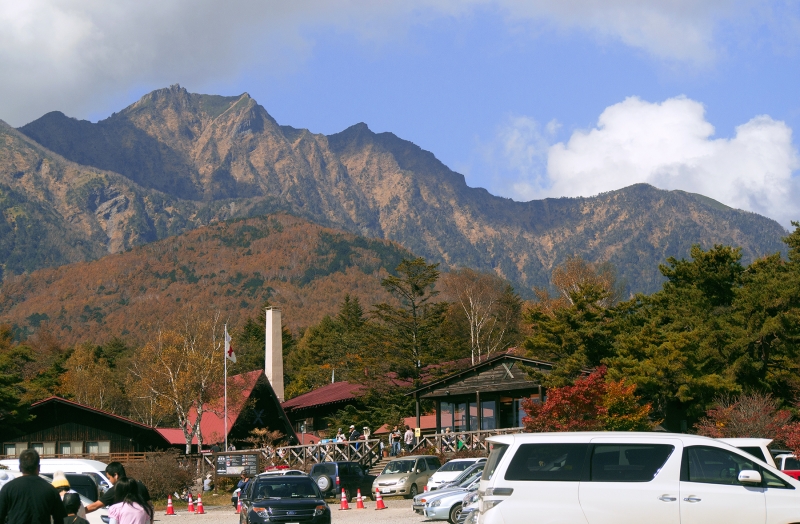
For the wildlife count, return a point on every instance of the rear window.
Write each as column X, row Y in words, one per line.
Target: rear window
column 498, row 450
column 756, row 451
column 548, row 462
column 456, row 465
column 628, row 462
column 791, row 463
column 324, row 469
column 433, row 463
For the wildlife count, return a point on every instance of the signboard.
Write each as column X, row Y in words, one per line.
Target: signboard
column 234, row 465
column 417, row 432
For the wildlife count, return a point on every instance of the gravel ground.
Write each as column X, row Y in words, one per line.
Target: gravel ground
column 398, row 510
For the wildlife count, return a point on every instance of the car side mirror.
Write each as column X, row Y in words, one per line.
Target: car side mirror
column 749, row 476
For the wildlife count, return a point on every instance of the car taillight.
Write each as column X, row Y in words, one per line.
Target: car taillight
column 337, row 481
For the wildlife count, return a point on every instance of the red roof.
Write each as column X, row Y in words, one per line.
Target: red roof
column 213, row 424
column 330, row 394
column 89, row 408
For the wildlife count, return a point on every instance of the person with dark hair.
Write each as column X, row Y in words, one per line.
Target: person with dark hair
column 30, row 499
column 129, row 506
column 115, row 471
column 72, row 504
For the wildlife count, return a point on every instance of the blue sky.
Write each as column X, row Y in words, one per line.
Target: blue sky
column 528, row 99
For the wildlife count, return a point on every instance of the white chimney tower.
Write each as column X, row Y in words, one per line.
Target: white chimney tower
column 273, row 358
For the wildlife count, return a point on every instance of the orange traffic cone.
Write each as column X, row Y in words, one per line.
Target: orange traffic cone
column 200, row 510
column 170, row 508
column 238, row 503
column 190, row 509
column 379, row 500
column 360, row 501
column 344, row 505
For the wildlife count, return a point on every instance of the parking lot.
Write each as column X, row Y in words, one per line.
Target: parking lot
column 398, row 510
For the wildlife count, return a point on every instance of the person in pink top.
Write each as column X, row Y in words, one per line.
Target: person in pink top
column 130, row 507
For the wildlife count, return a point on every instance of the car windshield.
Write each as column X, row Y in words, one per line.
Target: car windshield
column 398, row 466
column 473, row 474
column 456, row 465
column 285, row 488
column 324, row 469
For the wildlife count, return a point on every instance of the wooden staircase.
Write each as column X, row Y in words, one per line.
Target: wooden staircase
column 378, row 466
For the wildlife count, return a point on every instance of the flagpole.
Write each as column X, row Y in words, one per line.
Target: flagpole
column 225, row 368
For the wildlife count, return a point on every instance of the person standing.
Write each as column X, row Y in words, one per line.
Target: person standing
column 354, row 436
column 409, row 439
column 396, row 437
column 30, row 499
column 129, row 506
column 115, row 472
column 72, row 505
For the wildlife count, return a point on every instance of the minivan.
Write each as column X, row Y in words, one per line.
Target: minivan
column 93, row 468
column 630, row 478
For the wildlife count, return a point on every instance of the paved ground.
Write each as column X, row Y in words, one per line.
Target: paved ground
column 398, row 510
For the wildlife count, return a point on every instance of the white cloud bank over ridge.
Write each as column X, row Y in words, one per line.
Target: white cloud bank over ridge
column 78, row 55
column 669, row 145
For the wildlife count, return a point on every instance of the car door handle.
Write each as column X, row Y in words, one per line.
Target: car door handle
column 692, row 499
column 667, row 498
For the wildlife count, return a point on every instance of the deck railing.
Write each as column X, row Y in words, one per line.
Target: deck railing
column 365, row 452
column 456, row 441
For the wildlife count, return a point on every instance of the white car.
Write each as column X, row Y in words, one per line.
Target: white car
column 450, row 471
column 99, row 516
column 631, row 478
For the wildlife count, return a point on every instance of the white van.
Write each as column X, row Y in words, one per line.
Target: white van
column 93, row 468
column 631, row 478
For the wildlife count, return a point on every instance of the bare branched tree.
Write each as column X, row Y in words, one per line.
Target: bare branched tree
column 490, row 306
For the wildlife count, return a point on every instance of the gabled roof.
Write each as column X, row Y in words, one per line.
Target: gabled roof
column 90, row 409
column 511, row 354
column 240, row 387
column 330, row 394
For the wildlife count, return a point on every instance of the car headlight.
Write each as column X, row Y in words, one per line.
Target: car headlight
column 436, row 503
column 319, row 510
column 261, row 512
column 402, row 480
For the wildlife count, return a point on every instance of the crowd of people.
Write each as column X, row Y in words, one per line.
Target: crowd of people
column 30, row 499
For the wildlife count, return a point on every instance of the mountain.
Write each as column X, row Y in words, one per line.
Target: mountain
column 214, row 157
column 232, row 267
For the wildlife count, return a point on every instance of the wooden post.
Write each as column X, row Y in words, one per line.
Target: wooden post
column 480, row 411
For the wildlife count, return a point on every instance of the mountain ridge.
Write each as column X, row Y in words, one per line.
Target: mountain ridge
column 210, row 152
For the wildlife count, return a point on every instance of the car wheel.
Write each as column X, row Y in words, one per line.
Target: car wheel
column 323, row 483
column 455, row 511
column 372, row 495
column 412, row 492
column 347, row 494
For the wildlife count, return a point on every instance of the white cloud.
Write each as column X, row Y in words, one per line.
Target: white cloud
column 79, row 55
column 669, row 145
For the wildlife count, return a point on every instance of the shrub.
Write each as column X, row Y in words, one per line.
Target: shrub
column 162, row 473
column 755, row 415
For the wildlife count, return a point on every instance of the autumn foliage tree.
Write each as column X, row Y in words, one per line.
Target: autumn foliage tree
column 747, row 416
column 181, row 370
column 591, row 404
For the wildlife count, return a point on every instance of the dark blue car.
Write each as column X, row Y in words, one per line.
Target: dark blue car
column 284, row 499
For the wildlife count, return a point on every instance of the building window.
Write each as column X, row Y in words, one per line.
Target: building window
column 488, row 414
column 102, row 447
column 70, row 448
column 10, row 450
column 447, row 415
column 49, row 448
column 38, row 447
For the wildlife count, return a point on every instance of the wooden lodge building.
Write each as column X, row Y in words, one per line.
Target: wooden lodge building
column 61, row 427
column 484, row 396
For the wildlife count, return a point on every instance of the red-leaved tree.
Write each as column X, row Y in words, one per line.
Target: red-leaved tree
column 755, row 415
column 591, row 404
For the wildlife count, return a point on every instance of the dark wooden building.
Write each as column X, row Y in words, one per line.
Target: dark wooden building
column 484, row 396
column 63, row 427
column 308, row 411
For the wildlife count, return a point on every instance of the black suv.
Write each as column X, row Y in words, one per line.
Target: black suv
column 284, row 498
column 332, row 477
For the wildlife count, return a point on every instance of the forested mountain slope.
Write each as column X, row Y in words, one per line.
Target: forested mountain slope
column 231, row 267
